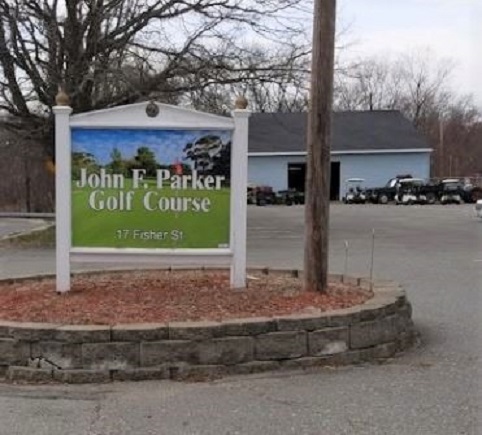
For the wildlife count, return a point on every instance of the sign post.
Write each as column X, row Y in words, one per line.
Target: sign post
column 151, row 183
column 62, row 192
column 239, row 177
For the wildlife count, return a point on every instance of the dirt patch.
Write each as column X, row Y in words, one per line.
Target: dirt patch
column 164, row 296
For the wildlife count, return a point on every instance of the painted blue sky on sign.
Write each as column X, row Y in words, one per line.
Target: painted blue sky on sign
column 166, row 144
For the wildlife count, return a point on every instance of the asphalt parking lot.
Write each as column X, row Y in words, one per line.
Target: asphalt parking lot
column 11, row 226
column 435, row 389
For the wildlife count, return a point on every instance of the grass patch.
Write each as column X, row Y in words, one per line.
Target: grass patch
column 141, row 228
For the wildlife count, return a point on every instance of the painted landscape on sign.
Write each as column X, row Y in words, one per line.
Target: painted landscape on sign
column 150, row 188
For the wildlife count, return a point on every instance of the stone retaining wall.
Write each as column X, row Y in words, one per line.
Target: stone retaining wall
column 36, row 352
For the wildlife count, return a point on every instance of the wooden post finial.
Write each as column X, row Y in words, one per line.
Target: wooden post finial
column 241, row 103
column 62, row 99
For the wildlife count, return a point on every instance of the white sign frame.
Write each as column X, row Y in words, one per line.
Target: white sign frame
column 169, row 118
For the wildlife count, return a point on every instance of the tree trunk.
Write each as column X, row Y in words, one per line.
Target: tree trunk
column 319, row 145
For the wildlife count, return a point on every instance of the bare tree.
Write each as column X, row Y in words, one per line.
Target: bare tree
column 279, row 89
column 366, row 85
column 413, row 83
column 461, row 125
column 419, row 86
column 110, row 52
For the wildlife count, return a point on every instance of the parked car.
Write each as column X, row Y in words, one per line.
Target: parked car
column 261, row 195
column 471, row 192
column 445, row 191
column 355, row 193
column 467, row 188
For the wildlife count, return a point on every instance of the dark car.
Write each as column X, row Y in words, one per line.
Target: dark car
column 385, row 194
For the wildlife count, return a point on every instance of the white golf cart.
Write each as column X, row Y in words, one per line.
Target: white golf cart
column 478, row 208
column 354, row 191
column 451, row 192
column 409, row 191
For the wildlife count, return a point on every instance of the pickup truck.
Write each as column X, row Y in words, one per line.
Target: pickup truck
column 385, row 194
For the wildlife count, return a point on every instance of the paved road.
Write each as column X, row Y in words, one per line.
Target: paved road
column 435, row 389
column 12, row 226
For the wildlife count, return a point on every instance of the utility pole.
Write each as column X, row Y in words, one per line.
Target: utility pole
column 441, row 167
column 317, row 205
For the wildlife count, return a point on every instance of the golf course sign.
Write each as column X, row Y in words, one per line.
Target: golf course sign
column 143, row 186
column 151, row 188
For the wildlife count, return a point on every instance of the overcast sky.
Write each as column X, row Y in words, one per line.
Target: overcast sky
column 450, row 28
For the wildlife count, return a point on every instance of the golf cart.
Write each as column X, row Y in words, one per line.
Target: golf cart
column 451, row 191
column 290, row 197
column 410, row 191
column 354, row 191
column 478, row 208
column 260, row 195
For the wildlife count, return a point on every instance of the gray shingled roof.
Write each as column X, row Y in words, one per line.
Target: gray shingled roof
column 353, row 131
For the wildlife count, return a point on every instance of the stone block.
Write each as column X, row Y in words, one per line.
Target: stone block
column 406, row 339
column 406, row 310
column 281, row 345
column 371, row 311
column 28, row 374
column 142, row 374
column 371, row 333
column 140, row 332
column 302, row 363
column 328, row 341
column 82, row 376
column 385, row 350
column 363, row 355
column 14, row 352
column 250, row 326
column 110, row 356
column 194, row 331
column 402, row 299
column 33, row 331
column 227, row 351
column 155, row 353
column 253, row 367
column 344, row 316
column 197, row 373
column 83, row 333
column 349, row 358
column 391, row 308
column 6, row 328
column 64, row 355
column 302, row 322
column 382, row 284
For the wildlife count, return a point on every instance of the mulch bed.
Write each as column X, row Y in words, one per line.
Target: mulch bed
column 165, row 296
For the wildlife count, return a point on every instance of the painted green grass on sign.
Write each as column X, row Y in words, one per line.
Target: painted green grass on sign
column 140, row 228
